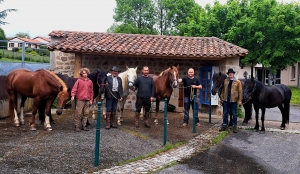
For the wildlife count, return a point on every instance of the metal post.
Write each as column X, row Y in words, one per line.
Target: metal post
column 23, row 54
column 97, row 144
column 209, row 116
column 195, row 110
column 165, row 121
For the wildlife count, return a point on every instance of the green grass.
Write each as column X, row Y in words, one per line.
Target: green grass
column 295, row 96
column 9, row 56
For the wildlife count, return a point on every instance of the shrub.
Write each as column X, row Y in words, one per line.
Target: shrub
column 15, row 49
column 28, row 50
column 33, row 53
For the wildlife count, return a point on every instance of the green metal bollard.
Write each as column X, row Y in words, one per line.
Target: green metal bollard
column 97, row 144
column 194, row 115
column 165, row 121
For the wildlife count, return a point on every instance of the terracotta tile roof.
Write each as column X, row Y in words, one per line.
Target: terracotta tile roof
column 44, row 38
column 26, row 39
column 145, row 45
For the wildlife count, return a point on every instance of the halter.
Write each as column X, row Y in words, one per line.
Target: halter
column 250, row 94
column 171, row 81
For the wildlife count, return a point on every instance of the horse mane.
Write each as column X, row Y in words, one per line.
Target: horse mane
column 58, row 79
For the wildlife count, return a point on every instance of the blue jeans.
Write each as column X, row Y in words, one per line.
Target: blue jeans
column 111, row 105
column 187, row 104
column 227, row 106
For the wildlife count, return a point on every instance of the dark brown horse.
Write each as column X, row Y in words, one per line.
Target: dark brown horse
column 218, row 81
column 164, row 85
column 41, row 85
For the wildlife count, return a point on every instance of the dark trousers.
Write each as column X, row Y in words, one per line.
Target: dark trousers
column 111, row 104
column 227, row 107
column 187, row 105
column 143, row 102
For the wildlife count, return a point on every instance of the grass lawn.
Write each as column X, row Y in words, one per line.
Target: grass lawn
column 295, row 95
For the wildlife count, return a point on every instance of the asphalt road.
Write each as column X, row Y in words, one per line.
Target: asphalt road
column 248, row 152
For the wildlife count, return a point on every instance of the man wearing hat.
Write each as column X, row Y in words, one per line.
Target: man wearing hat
column 230, row 97
column 113, row 94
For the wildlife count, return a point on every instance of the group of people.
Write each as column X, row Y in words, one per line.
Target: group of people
column 83, row 91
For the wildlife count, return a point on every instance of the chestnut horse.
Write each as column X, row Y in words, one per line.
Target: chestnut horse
column 164, row 85
column 41, row 85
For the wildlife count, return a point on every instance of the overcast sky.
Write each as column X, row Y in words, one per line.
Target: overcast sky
column 40, row 17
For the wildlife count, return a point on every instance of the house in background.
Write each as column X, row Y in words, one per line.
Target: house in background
column 30, row 43
column 268, row 76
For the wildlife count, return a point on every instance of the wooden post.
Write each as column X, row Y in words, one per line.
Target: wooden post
column 78, row 64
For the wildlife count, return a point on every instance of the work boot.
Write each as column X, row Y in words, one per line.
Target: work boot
column 107, row 126
column 137, row 117
column 77, row 129
column 147, row 120
column 223, row 128
column 234, row 129
column 112, row 120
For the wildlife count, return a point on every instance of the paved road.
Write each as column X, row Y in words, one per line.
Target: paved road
column 249, row 152
column 275, row 114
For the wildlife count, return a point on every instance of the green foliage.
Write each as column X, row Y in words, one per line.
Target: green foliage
column 15, row 49
column 34, row 53
column 28, row 50
column 0, row 55
column 23, row 35
column 239, row 112
column 15, row 56
column 295, row 95
column 3, row 14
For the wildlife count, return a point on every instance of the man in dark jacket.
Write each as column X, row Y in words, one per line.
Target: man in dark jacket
column 145, row 86
column 113, row 94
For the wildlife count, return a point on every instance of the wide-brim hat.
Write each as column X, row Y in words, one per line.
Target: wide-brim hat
column 114, row 68
column 230, row 70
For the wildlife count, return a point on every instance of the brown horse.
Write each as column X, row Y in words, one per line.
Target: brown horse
column 164, row 85
column 41, row 85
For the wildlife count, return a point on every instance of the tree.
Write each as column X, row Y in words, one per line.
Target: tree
column 2, row 37
column 135, row 16
column 23, row 35
column 271, row 33
column 3, row 14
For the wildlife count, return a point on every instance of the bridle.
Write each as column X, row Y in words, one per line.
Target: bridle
column 171, row 81
column 250, row 94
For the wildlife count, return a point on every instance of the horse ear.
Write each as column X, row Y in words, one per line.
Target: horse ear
column 220, row 74
column 136, row 68
column 127, row 67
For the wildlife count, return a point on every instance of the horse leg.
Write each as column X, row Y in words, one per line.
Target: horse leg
column 248, row 112
column 282, row 110
column 36, row 102
column 263, row 111
column 47, row 116
column 156, row 111
column 13, row 99
column 22, row 109
column 256, row 108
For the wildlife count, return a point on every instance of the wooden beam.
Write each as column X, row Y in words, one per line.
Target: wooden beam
column 78, row 64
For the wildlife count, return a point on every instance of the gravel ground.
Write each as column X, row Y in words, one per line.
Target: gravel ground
column 65, row 151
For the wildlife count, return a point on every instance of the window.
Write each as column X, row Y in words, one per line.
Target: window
column 11, row 45
column 293, row 72
column 19, row 44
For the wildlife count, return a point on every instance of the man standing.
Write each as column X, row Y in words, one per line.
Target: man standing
column 191, row 84
column 113, row 95
column 230, row 97
column 83, row 90
column 145, row 86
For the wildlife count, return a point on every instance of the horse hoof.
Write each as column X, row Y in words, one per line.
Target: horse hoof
column 17, row 124
column 49, row 128
column 22, row 122
column 119, row 123
column 32, row 128
column 155, row 121
column 141, row 118
column 282, row 128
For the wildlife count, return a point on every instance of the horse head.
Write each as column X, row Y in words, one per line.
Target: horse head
column 101, row 80
column 62, row 98
column 131, row 76
column 218, row 81
column 249, row 89
column 173, row 76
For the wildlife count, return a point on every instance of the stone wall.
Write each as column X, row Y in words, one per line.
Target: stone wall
column 64, row 63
